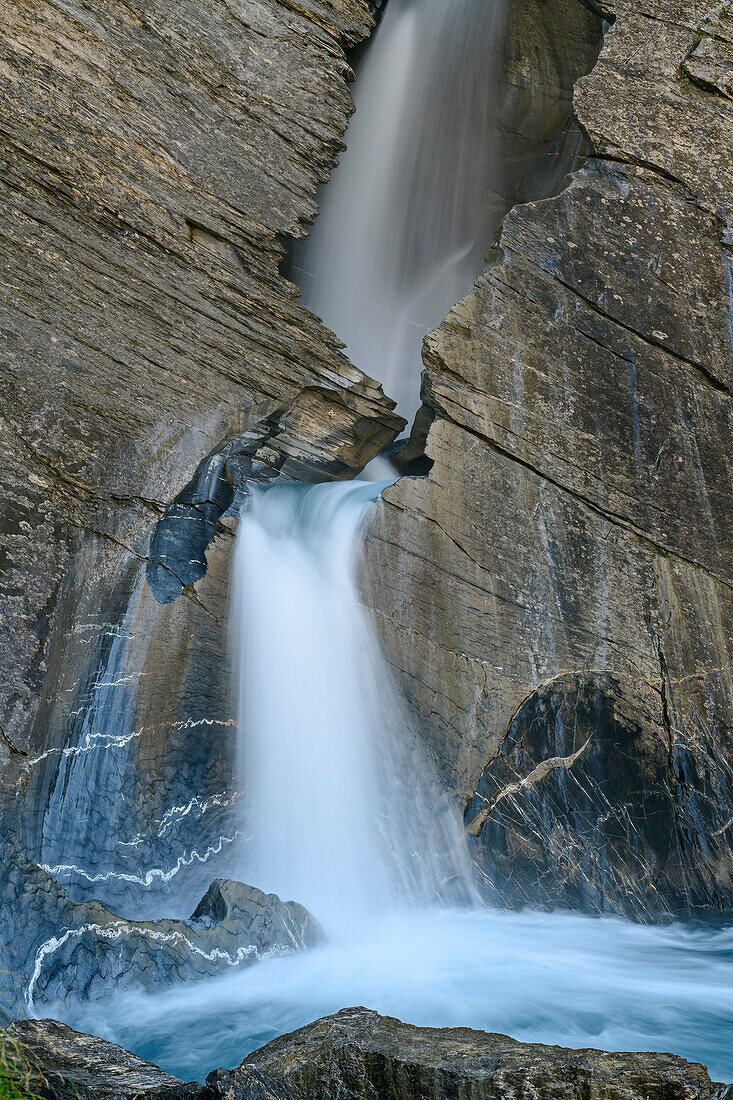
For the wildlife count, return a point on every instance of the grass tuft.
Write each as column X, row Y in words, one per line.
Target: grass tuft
column 19, row 1080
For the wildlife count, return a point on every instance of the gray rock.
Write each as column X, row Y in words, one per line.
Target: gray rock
column 158, row 158
column 577, row 516
column 243, row 1083
column 591, row 785
column 68, row 1065
column 65, row 950
column 359, row 1055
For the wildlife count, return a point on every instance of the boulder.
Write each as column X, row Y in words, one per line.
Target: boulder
column 360, row 1055
column 63, row 1064
column 62, row 949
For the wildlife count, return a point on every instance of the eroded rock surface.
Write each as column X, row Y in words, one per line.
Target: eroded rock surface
column 577, row 517
column 64, row 950
column 156, row 157
column 359, row 1055
column 590, row 805
column 69, row 1065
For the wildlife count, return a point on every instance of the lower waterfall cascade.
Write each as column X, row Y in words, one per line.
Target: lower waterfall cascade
column 331, row 816
column 342, row 815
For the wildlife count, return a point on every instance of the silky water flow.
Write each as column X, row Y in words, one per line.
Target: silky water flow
column 342, row 811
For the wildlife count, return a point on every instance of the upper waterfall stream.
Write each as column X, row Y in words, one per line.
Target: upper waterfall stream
column 406, row 218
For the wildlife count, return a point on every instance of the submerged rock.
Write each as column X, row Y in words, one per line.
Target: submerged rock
column 360, row 1055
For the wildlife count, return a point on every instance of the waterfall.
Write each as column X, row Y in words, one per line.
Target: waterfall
column 407, row 216
column 342, row 811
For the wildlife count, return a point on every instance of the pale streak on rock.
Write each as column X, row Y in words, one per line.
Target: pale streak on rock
column 476, row 825
column 154, row 874
column 115, row 932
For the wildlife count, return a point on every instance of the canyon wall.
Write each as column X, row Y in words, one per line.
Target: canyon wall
column 556, row 595
column 156, row 159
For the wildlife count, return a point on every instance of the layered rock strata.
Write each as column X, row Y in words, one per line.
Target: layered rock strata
column 64, row 950
column 156, row 157
column 560, row 586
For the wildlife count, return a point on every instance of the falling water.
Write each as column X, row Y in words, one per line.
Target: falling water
column 345, row 816
column 407, row 216
column 343, row 813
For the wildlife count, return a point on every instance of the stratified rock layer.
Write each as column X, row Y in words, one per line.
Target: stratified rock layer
column 156, row 156
column 575, row 532
column 359, row 1055
column 64, row 950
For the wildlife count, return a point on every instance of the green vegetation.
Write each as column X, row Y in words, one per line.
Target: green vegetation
column 18, row 1079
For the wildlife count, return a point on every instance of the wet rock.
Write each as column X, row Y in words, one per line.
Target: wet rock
column 243, row 1083
column 576, row 518
column 157, row 160
column 593, row 803
column 63, row 950
column 359, row 1055
column 68, row 1065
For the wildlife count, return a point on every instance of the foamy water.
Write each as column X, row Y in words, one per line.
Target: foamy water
column 557, row 978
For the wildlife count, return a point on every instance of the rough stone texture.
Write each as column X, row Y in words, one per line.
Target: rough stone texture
column 72, row 1066
column 580, row 807
column 359, row 1055
column 243, row 1083
column 155, row 158
column 63, row 949
column 578, row 515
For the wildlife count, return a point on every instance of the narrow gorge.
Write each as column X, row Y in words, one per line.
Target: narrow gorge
column 367, row 547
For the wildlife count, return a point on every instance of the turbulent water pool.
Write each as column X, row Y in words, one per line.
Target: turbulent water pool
column 556, row 978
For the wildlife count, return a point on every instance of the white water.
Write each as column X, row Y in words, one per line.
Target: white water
column 345, row 817
column 342, row 813
column 406, row 218
column 558, row 978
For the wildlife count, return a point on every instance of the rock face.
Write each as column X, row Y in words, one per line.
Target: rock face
column 562, row 579
column 62, row 949
column 72, row 1066
column 555, row 595
column 156, row 158
column 359, row 1055
column 243, row 1083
